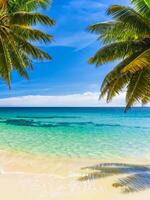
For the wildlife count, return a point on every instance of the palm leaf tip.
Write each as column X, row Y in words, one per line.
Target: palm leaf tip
column 92, row 60
column 95, row 60
column 94, row 28
column 89, row 28
column 112, row 9
column 44, row 3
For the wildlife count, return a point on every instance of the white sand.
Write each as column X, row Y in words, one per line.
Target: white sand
column 24, row 177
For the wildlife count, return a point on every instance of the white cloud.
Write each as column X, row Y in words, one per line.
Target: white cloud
column 85, row 99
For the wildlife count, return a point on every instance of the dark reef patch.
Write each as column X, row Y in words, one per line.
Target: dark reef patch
column 48, row 117
column 32, row 123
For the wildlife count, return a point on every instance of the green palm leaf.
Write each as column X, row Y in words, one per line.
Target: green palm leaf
column 130, row 18
column 147, row 2
column 111, row 31
column 138, row 86
column 102, row 27
column 27, row 5
column 142, row 7
column 31, row 49
column 140, row 62
column 6, row 62
column 31, row 34
column 145, row 100
column 17, row 35
column 115, row 76
column 116, row 51
column 17, row 59
column 126, row 39
column 27, row 18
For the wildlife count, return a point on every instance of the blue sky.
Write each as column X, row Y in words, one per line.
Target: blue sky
column 68, row 73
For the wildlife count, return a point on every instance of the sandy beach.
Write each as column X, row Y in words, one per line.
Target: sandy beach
column 25, row 177
column 75, row 100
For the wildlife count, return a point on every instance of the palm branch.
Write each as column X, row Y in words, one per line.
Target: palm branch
column 27, row 5
column 126, row 38
column 17, row 35
column 142, row 6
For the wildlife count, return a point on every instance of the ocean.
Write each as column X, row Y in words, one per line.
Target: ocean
column 98, row 133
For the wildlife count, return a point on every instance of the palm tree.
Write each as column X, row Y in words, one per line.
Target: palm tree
column 125, row 38
column 17, row 36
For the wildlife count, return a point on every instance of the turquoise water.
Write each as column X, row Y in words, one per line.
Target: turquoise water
column 77, row 132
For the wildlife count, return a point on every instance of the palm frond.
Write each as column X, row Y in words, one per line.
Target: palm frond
column 18, row 62
column 138, row 86
column 140, row 62
column 116, row 86
column 6, row 62
column 101, row 27
column 115, row 81
column 27, row 5
column 30, row 33
column 17, row 18
column 29, row 18
column 146, row 99
column 142, row 6
column 27, row 60
column 31, row 49
column 115, row 51
column 130, row 18
column 113, row 87
column 125, row 38
column 147, row 3
column 115, row 34
column 111, row 31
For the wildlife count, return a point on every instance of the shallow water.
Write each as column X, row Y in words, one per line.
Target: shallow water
column 77, row 132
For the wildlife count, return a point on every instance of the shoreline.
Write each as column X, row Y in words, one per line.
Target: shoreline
column 29, row 177
column 21, row 161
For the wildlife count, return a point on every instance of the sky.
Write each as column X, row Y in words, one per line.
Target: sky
column 67, row 80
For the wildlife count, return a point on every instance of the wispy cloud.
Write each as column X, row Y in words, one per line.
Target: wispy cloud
column 75, row 16
column 84, row 4
column 85, row 99
column 78, row 40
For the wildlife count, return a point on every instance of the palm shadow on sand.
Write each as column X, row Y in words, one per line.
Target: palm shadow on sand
column 136, row 177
